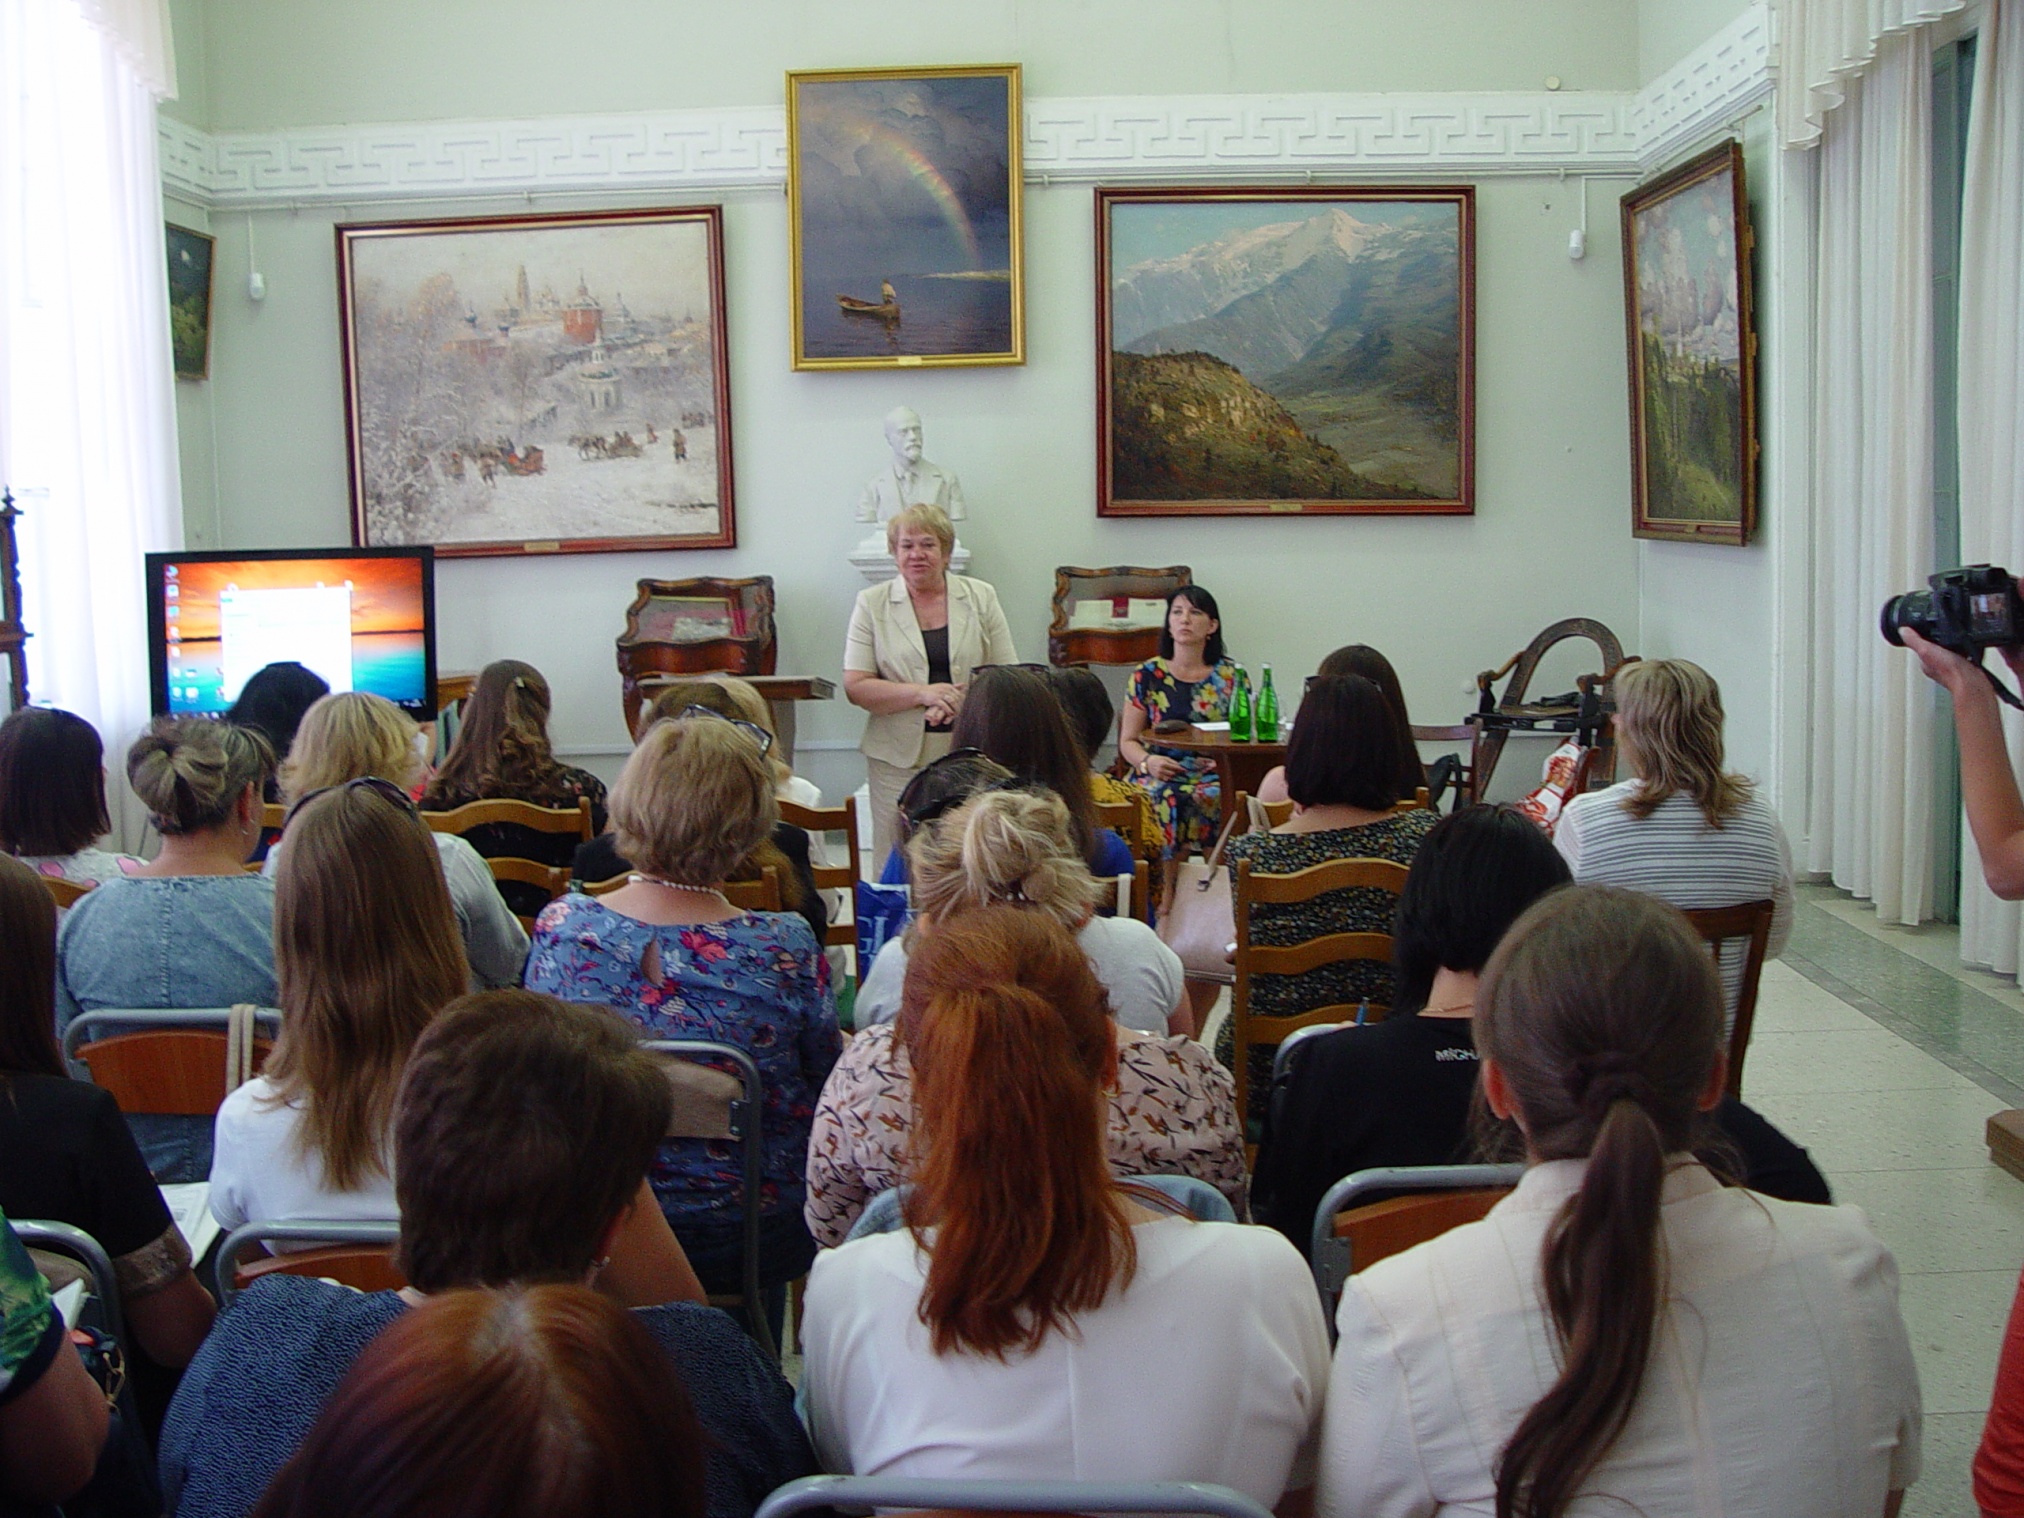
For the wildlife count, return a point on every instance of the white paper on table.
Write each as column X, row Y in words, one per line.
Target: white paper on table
column 1206, row 727
column 69, row 1302
column 190, row 1206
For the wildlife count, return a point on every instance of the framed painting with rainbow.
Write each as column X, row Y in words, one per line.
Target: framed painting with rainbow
column 903, row 212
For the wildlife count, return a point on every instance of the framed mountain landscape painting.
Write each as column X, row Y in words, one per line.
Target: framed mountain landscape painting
column 1286, row 350
column 1693, row 402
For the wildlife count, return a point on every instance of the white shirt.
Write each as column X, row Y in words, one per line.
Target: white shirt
column 258, row 1174
column 1210, row 1366
column 1144, row 977
column 1781, row 1381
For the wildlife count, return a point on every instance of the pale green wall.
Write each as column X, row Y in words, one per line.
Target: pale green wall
column 1444, row 597
column 1668, row 30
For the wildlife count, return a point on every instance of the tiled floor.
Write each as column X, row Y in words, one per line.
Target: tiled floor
column 1879, row 1053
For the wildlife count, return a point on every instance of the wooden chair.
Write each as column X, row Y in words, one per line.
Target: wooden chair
column 1118, row 639
column 165, row 1061
column 272, row 815
column 1463, row 737
column 1750, row 920
column 1253, row 887
column 832, row 877
column 1121, row 817
column 1134, row 890
column 540, row 819
column 1420, row 801
column 355, row 1252
column 1264, row 815
column 65, row 893
column 553, row 879
column 1351, row 1233
column 761, row 895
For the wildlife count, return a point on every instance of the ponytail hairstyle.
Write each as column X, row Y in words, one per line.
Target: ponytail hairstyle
column 1010, row 1039
column 1603, row 1011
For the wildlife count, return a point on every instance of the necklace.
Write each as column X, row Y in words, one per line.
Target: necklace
column 676, row 885
column 1454, row 1011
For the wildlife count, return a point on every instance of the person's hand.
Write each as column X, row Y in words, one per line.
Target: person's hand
column 1160, row 768
column 2014, row 657
column 1945, row 667
column 942, row 702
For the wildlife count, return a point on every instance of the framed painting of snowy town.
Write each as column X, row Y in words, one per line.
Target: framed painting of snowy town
column 1286, row 350
column 903, row 217
column 538, row 384
column 1693, row 393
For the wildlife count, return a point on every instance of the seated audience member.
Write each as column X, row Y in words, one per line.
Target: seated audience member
column 1018, row 846
column 353, row 734
column 537, row 1402
column 52, row 797
column 669, row 952
column 272, row 703
column 65, row 1152
column 1362, row 659
column 786, row 848
column 53, row 1417
column 366, row 949
column 1036, row 1318
column 1010, row 715
column 502, row 752
column 1621, row 1332
column 1091, row 716
column 1342, row 768
column 1172, row 1108
column 1680, row 829
column 1398, row 1092
column 190, row 928
column 496, row 1189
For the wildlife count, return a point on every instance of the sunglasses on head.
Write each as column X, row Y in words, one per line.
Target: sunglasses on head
column 919, row 808
column 373, row 783
column 758, row 734
column 1038, row 669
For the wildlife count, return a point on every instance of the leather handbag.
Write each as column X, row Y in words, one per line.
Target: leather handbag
column 1200, row 922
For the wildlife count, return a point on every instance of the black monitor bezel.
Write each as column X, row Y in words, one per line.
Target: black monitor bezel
column 158, row 630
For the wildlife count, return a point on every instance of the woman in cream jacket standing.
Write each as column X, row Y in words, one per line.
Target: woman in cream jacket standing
column 912, row 644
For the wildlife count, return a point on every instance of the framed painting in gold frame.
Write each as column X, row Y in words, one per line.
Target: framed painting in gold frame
column 903, row 190
column 1692, row 350
column 553, row 383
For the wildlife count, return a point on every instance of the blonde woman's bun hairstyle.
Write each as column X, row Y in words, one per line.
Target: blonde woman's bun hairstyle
column 1014, row 847
column 189, row 772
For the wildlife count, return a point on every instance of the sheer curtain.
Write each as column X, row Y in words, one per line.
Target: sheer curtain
column 1991, row 408
column 87, row 404
column 1824, row 46
column 1871, row 797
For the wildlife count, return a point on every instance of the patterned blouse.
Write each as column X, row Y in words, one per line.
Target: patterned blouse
column 758, row 981
column 1174, row 1113
column 1187, row 805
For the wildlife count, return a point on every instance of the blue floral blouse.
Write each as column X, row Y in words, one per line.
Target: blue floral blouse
column 758, row 981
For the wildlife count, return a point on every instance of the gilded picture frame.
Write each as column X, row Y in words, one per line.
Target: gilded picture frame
column 542, row 383
column 1692, row 348
column 1286, row 350
column 904, row 217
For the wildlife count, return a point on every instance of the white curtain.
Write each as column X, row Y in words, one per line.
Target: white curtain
column 1870, row 805
column 1824, row 46
column 1991, row 407
column 87, row 404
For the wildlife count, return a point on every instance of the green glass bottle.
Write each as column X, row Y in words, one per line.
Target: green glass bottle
column 1240, row 709
column 1268, row 710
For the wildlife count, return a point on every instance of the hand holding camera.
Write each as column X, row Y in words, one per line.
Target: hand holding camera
column 1967, row 611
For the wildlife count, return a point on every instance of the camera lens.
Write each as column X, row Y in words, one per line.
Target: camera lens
column 1914, row 609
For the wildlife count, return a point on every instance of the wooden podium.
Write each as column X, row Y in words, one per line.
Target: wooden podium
column 678, row 629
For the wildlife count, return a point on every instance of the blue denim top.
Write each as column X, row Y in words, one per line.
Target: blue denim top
column 183, row 941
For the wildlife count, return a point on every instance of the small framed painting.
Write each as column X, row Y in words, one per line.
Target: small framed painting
column 538, row 384
column 1283, row 350
column 903, row 214
column 190, row 301
column 1693, row 350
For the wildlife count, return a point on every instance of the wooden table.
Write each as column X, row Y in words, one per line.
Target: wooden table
column 1242, row 766
column 780, row 691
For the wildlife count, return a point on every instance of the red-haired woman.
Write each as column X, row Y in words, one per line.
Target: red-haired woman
column 1035, row 1317
column 528, row 1402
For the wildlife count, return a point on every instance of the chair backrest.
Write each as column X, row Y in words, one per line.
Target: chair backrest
column 540, row 819
column 1350, row 1233
column 832, row 877
column 272, row 815
column 1119, row 816
column 602, row 887
column 356, row 1252
column 64, row 893
column 1751, row 921
column 923, row 1494
column 761, row 895
column 1076, row 638
column 1421, row 800
column 1298, row 1036
column 162, row 1061
column 74, row 1243
column 1262, row 816
column 551, row 879
column 706, row 1107
column 1464, row 736
column 1252, row 887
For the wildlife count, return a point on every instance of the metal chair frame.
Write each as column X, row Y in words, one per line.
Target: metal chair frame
column 147, row 1020
column 74, row 1243
column 853, row 1492
column 363, row 1232
column 1329, row 1256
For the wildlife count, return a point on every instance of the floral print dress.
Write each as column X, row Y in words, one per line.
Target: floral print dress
column 758, row 981
column 1186, row 806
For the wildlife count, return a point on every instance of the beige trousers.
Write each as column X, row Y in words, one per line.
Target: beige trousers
column 887, row 781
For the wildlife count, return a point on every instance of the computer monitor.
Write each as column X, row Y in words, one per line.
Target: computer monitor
column 363, row 618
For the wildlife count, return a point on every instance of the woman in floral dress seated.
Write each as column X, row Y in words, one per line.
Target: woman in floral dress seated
column 670, row 953
column 1191, row 681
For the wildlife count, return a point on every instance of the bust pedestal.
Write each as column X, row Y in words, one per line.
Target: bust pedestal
column 871, row 560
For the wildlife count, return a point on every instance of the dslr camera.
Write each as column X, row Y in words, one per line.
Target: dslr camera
column 1967, row 610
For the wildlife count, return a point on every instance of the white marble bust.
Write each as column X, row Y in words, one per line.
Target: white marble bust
column 908, row 479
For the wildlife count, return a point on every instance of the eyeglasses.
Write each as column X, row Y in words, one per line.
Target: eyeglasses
column 758, row 734
column 373, row 783
column 919, row 808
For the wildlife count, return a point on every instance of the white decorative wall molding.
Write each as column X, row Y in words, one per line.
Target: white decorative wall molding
column 1115, row 139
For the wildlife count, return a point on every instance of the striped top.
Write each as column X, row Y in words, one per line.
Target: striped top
column 1674, row 855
